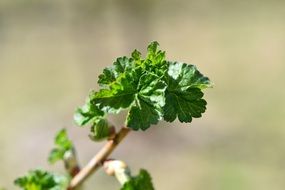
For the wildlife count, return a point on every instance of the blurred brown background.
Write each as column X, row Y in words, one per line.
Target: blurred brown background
column 51, row 52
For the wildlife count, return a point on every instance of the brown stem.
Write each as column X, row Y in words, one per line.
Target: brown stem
column 98, row 159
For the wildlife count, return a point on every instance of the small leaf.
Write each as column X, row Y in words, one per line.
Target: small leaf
column 100, row 130
column 152, row 47
column 120, row 94
column 62, row 140
column 55, row 155
column 89, row 113
column 63, row 144
column 155, row 60
column 140, row 182
column 136, row 55
column 120, row 66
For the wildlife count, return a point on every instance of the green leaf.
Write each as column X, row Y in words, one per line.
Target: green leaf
column 55, row 155
column 89, row 113
column 184, row 95
column 154, row 55
column 100, row 130
column 152, row 48
column 63, row 144
column 148, row 105
column 142, row 116
column 136, row 55
column 120, row 94
column 155, row 60
column 184, row 105
column 120, row 66
column 62, row 140
column 42, row 180
column 140, row 182
column 184, row 76
column 144, row 97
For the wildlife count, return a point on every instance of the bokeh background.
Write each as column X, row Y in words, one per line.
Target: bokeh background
column 51, row 52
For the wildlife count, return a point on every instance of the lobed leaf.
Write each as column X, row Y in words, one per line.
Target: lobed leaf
column 147, row 107
column 183, row 94
column 184, row 76
column 120, row 93
column 89, row 113
column 120, row 66
column 184, row 105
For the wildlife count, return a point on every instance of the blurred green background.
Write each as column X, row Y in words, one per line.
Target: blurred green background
column 51, row 52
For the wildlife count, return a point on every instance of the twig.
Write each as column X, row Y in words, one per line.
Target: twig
column 98, row 159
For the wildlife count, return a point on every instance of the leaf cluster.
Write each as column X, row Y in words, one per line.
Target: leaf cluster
column 150, row 88
column 42, row 180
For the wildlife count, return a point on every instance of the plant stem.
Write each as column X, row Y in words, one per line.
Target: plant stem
column 98, row 159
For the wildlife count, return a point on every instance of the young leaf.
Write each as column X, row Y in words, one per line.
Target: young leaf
column 63, row 144
column 140, row 182
column 154, row 56
column 144, row 95
column 100, row 130
column 120, row 94
column 155, row 60
column 89, row 113
column 184, row 76
column 62, row 140
column 42, row 180
column 136, row 55
column 142, row 116
column 149, row 101
column 184, row 105
column 55, row 155
column 120, row 66
column 183, row 94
